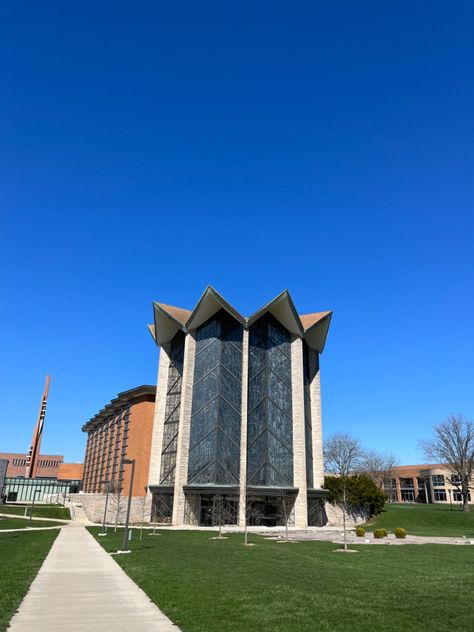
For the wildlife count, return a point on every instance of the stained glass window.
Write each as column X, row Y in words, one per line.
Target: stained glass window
column 270, row 424
column 173, row 405
column 214, row 448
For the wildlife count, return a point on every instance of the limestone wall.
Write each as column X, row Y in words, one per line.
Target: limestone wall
column 94, row 505
column 355, row 516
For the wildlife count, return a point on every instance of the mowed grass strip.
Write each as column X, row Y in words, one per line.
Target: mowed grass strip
column 21, row 555
column 39, row 511
column 208, row 585
column 21, row 523
column 423, row 519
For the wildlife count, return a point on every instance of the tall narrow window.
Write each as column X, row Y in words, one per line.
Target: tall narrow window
column 270, row 424
column 173, row 406
column 214, row 450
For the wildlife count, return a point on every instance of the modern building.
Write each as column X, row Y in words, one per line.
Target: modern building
column 20, row 489
column 122, row 429
column 423, row 484
column 47, row 465
column 237, row 421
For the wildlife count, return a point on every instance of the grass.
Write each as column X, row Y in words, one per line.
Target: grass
column 40, row 511
column 420, row 519
column 208, row 585
column 21, row 523
column 21, row 556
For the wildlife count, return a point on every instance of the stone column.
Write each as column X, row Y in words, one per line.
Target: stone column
column 398, row 488
column 316, row 420
column 243, row 430
column 299, row 449
column 182, row 452
column 159, row 417
column 416, row 490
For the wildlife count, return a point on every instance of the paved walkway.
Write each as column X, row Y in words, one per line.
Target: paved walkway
column 7, row 515
column 80, row 587
column 327, row 536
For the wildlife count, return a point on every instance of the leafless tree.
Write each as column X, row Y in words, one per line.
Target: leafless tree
column 342, row 457
column 252, row 514
column 285, row 503
column 379, row 466
column 452, row 445
column 144, row 511
column 117, row 500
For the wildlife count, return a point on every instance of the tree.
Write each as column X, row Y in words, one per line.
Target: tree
column 362, row 491
column 452, row 445
column 144, row 511
column 378, row 466
column 253, row 514
column 342, row 457
column 285, row 503
column 118, row 500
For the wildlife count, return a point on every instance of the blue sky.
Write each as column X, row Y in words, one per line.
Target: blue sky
column 151, row 149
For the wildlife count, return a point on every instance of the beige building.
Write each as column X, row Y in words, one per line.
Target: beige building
column 423, row 483
column 238, row 414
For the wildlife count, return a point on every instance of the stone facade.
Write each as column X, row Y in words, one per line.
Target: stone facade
column 94, row 506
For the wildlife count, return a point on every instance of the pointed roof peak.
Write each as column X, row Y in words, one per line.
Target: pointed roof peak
column 178, row 313
column 309, row 320
column 169, row 319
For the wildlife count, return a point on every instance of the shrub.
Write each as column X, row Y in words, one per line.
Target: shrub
column 379, row 533
column 400, row 533
column 360, row 532
column 385, row 532
column 361, row 491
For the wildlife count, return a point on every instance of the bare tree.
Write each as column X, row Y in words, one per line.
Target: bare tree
column 342, row 457
column 285, row 503
column 117, row 500
column 144, row 511
column 452, row 445
column 378, row 466
column 253, row 515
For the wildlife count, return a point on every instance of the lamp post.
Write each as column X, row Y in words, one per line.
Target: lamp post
column 37, row 491
column 129, row 505
column 107, row 489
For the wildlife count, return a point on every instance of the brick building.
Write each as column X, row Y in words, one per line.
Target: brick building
column 48, row 464
column 122, row 429
column 423, row 483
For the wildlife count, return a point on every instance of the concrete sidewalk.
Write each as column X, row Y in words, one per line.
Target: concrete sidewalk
column 7, row 515
column 327, row 536
column 81, row 587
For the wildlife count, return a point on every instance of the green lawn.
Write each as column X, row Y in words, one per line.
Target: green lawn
column 21, row 555
column 40, row 511
column 20, row 523
column 208, row 585
column 419, row 519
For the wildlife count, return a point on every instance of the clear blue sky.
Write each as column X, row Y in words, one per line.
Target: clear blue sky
column 152, row 149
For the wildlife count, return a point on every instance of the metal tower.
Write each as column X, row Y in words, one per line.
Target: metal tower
column 34, row 449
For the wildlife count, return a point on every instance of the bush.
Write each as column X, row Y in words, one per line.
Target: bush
column 360, row 532
column 380, row 533
column 385, row 532
column 361, row 491
column 400, row 533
